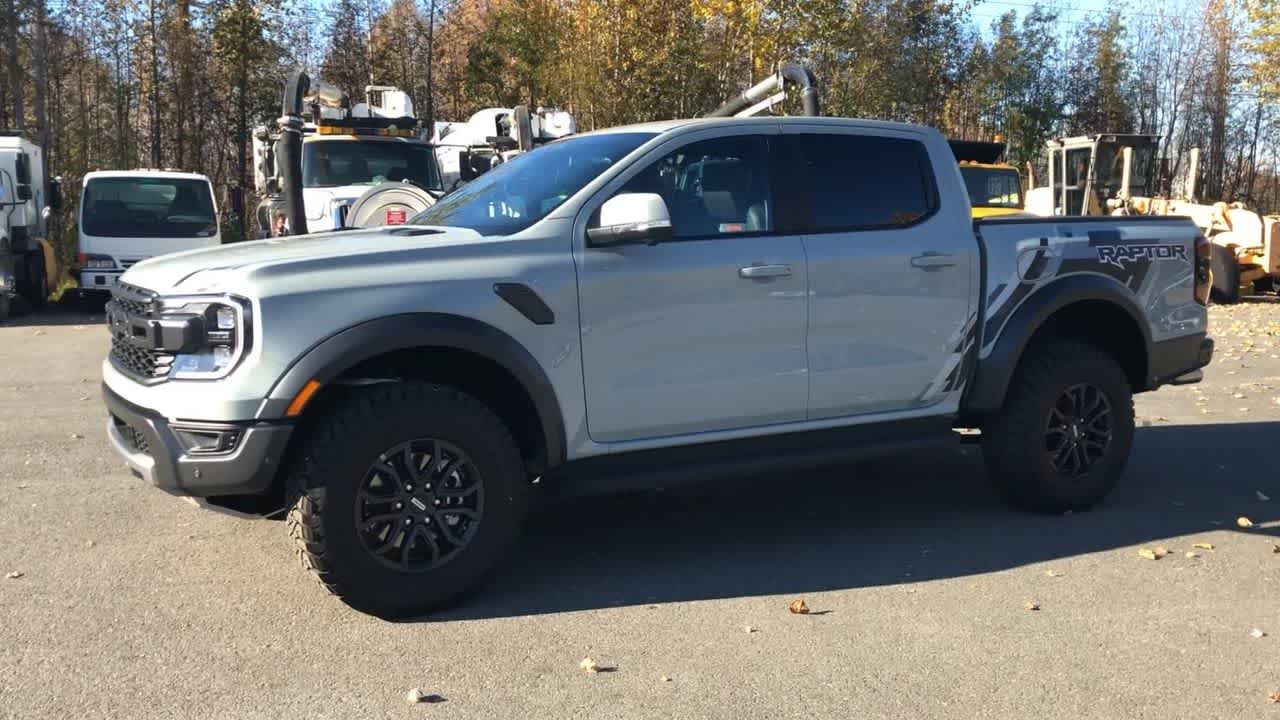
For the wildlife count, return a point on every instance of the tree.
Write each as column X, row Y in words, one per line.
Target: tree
column 347, row 64
column 1098, row 87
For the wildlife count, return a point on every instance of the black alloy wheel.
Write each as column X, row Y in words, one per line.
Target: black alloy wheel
column 1079, row 430
column 419, row 504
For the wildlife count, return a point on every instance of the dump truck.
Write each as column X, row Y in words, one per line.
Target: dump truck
column 28, row 196
column 995, row 187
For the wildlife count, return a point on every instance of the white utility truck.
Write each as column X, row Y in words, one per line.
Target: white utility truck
column 492, row 136
column 127, row 216
column 28, row 270
column 364, row 165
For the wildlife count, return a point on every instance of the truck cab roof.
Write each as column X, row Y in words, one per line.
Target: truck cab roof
column 145, row 172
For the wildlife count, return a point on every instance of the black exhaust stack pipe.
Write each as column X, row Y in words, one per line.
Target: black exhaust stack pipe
column 290, row 151
column 798, row 75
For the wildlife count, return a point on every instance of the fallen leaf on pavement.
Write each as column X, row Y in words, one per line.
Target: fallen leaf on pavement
column 1032, row 605
column 1273, row 696
column 38, row 332
column 14, row 575
column 665, row 679
column 799, row 607
column 1202, row 546
column 589, row 665
column 77, row 436
column 1261, row 495
column 1053, row 573
column 416, row 696
column 1161, row 551
column 1149, row 554
column 1256, row 633
column 748, row 629
column 1191, row 554
column 1238, row 396
column 1244, row 522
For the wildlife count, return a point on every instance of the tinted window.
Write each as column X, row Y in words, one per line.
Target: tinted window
column 713, row 187
column 992, row 187
column 148, row 207
column 861, row 182
column 522, row 191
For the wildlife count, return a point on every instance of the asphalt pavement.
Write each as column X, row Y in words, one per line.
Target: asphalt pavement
column 134, row 604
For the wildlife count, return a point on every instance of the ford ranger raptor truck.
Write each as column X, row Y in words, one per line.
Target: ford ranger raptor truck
column 635, row 307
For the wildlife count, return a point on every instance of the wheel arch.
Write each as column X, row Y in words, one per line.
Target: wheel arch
column 445, row 348
column 1091, row 308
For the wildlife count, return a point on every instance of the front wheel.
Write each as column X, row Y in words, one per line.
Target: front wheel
column 406, row 497
column 1063, row 438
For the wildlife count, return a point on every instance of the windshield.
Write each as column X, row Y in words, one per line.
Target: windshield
column 516, row 194
column 334, row 163
column 153, row 207
column 992, row 187
column 1110, row 170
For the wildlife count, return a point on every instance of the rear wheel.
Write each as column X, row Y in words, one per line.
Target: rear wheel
column 1063, row 438
column 1226, row 275
column 407, row 496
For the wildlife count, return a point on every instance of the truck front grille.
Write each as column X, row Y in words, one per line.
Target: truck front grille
column 128, row 310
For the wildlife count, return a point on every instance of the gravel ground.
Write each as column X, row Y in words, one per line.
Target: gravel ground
column 132, row 603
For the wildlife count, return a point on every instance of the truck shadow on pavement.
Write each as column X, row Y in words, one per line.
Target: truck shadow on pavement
column 887, row 522
column 65, row 312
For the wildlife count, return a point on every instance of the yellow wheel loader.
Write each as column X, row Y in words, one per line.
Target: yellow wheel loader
column 1116, row 174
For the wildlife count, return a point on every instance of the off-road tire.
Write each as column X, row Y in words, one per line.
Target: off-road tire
column 336, row 457
column 4, row 305
column 38, row 285
column 1226, row 275
column 1017, row 442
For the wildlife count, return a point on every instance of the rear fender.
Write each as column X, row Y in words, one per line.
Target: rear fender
column 994, row 372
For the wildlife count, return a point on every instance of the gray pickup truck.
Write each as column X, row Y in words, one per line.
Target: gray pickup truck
column 637, row 307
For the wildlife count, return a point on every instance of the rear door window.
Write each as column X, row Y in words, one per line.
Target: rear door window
column 859, row 182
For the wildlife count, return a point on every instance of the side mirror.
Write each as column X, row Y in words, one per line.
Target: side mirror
column 53, row 194
column 465, row 170
column 631, row 218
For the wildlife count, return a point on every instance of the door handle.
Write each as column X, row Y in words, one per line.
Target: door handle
column 754, row 272
column 932, row 261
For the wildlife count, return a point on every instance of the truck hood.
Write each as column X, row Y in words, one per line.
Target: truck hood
column 217, row 269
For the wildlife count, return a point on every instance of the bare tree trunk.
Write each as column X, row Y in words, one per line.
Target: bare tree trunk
column 9, row 40
column 431, row 61
column 156, row 160
column 40, row 66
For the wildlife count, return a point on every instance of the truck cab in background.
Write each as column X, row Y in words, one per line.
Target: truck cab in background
column 994, row 187
column 28, row 196
column 127, row 216
column 362, row 166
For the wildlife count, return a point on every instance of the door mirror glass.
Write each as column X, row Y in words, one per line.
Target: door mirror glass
column 631, row 218
column 53, row 194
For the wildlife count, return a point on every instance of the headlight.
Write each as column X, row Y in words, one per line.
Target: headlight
column 89, row 261
column 207, row 335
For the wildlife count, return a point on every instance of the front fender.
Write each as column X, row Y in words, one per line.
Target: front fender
column 347, row 348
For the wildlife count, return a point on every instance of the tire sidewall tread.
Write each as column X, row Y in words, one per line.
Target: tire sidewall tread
column 336, row 458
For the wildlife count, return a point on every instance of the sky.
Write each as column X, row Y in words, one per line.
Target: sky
column 1071, row 13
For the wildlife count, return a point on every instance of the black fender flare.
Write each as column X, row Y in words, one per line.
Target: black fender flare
column 347, row 348
column 991, row 380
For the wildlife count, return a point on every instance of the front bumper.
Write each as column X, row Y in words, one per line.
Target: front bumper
column 102, row 280
column 247, row 464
